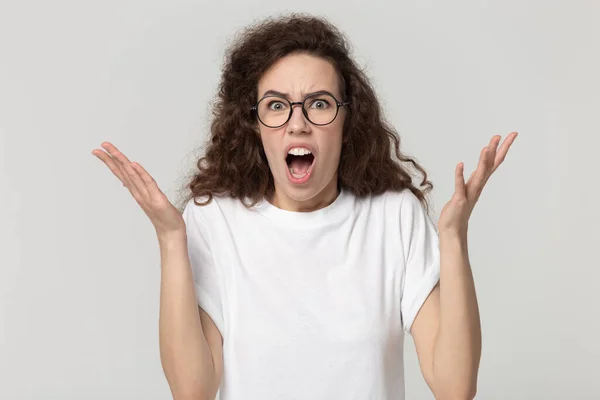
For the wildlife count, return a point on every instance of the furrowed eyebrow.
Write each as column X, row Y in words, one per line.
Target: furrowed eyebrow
column 287, row 96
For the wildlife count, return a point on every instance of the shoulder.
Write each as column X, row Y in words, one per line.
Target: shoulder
column 389, row 210
column 221, row 211
column 400, row 197
column 400, row 208
column 392, row 200
column 409, row 202
column 218, row 205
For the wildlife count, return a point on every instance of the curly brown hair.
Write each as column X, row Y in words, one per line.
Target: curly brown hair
column 235, row 163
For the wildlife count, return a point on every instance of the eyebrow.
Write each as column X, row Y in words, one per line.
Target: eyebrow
column 287, row 96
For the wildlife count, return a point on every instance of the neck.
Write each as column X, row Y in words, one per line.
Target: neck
column 321, row 200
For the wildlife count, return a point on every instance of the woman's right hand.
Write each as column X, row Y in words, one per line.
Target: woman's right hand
column 165, row 217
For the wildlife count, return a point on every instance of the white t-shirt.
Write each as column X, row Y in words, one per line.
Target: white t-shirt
column 313, row 305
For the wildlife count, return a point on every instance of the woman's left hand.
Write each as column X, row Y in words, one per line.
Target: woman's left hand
column 455, row 215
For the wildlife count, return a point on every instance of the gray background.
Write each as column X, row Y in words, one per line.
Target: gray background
column 79, row 276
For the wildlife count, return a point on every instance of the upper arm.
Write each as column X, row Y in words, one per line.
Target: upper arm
column 424, row 332
column 208, row 280
column 215, row 343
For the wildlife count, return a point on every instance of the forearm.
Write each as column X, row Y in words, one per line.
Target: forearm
column 185, row 354
column 457, row 349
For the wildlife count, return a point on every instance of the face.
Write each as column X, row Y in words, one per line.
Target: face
column 302, row 182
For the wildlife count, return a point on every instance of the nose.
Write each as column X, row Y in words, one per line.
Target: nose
column 297, row 123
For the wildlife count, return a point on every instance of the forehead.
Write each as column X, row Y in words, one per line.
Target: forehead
column 299, row 74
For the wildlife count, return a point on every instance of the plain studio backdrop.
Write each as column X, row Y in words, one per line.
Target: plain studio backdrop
column 79, row 276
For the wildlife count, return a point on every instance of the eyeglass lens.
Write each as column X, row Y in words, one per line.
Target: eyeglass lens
column 274, row 111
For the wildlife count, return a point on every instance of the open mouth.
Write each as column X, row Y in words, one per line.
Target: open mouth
column 299, row 166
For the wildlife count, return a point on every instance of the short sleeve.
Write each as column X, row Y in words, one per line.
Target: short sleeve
column 420, row 241
column 206, row 275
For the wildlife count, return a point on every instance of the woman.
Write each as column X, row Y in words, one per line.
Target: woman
column 304, row 252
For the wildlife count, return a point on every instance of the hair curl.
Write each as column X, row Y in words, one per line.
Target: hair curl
column 235, row 163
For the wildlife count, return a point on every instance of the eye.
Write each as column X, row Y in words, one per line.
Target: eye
column 276, row 105
column 319, row 104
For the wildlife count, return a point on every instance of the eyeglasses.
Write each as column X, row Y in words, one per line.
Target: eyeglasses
column 319, row 108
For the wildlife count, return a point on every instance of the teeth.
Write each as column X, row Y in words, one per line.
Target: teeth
column 297, row 176
column 299, row 151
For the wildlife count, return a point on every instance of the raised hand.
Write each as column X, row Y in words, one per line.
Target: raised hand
column 164, row 216
column 456, row 213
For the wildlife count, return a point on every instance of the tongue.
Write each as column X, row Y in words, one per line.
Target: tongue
column 299, row 165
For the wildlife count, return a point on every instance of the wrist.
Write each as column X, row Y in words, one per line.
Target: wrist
column 166, row 238
column 453, row 241
column 453, row 233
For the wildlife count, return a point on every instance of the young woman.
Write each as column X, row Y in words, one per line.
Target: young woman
column 304, row 252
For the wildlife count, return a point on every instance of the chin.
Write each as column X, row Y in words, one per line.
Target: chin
column 304, row 192
column 300, row 193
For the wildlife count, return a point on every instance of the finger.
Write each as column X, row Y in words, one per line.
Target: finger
column 501, row 154
column 137, row 182
column 129, row 183
column 492, row 156
column 110, row 163
column 459, row 180
column 494, row 142
column 151, row 186
column 479, row 175
column 115, row 153
column 126, row 178
column 121, row 162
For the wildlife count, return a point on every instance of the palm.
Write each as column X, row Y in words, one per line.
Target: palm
column 456, row 213
column 163, row 215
